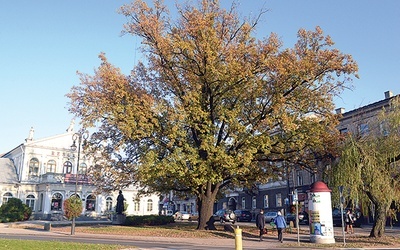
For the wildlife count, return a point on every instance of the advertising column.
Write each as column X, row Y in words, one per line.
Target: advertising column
column 320, row 211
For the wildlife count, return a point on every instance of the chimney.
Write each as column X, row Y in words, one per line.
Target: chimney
column 388, row 94
column 339, row 111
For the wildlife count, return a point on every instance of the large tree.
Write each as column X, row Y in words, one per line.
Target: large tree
column 369, row 166
column 211, row 106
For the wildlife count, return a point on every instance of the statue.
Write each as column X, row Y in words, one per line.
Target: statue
column 30, row 137
column 120, row 203
column 71, row 126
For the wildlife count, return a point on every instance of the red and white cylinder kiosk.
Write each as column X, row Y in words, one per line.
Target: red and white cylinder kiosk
column 320, row 213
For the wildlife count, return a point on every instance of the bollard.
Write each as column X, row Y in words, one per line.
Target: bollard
column 238, row 239
column 47, row 226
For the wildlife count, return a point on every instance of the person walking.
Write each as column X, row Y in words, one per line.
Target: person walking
column 349, row 221
column 280, row 223
column 260, row 223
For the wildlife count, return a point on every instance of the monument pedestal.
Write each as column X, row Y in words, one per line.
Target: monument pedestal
column 119, row 219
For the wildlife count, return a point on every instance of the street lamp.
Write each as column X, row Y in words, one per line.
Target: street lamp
column 77, row 137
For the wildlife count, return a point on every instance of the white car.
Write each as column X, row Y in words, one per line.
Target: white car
column 181, row 215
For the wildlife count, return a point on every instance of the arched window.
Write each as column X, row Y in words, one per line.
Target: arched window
column 149, row 205
column 243, row 202
column 254, row 202
column 109, row 203
column 6, row 197
column 56, row 202
column 266, row 201
column 82, row 168
column 136, row 205
column 77, row 195
column 67, row 167
column 90, row 203
column 30, row 201
column 34, row 167
column 51, row 166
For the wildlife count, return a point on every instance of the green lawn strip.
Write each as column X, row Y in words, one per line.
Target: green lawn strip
column 11, row 244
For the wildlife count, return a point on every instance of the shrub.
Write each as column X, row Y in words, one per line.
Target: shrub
column 148, row 220
column 14, row 210
column 72, row 207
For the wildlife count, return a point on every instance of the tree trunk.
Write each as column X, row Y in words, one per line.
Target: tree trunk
column 378, row 229
column 206, row 207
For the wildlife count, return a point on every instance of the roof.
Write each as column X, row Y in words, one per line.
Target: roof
column 368, row 108
column 8, row 171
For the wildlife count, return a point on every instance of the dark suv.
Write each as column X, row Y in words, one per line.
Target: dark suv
column 243, row 215
column 225, row 215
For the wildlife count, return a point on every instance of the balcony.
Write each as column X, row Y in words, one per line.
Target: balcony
column 71, row 178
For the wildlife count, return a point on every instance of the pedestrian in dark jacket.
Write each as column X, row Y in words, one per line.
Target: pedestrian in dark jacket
column 280, row 223
column 260, row 223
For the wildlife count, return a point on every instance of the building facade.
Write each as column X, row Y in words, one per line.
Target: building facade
column 277, row 195
column 43, row 173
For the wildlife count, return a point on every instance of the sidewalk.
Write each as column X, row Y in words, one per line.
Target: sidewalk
column 270, row 240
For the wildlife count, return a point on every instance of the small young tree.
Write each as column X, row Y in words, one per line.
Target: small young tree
column 14, row 210
column 72, row 207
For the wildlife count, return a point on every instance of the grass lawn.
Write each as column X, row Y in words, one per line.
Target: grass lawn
column 10, row 244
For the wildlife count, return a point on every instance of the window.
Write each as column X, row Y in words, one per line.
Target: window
column 82, row 168
column 254, row 202
column 278, row 200
column 34, row 167
column 30, row 201
column 51, row 166
column 67, row 167
column 384, row 129
column 56, row 202
column 266, row 202
column 313, row 177
column 299, row 178
column 90, row 203
column 109, row 204
column 243, row 203
column 149, row 205
column 6, row 197
column 364, row 129
column 73, row 195
column 136, row 205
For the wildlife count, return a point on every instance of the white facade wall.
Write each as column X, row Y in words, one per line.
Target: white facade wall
column 44, row 185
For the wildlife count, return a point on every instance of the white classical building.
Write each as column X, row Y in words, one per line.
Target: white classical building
column 42, row 173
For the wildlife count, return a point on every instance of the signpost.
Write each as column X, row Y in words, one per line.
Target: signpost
column 341, row 213
column 296, row 200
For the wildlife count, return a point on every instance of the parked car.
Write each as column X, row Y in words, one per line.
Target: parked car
column 194, row 217
column 181, row 215
column 270, row 216
column 304, row 218
column 243, row 215
column 337, row 218
column 225, row 215
column 291, row 217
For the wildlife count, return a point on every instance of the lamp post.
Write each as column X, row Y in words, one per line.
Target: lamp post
column 77, row 137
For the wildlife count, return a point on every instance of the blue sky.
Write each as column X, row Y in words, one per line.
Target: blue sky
column 43, row 43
